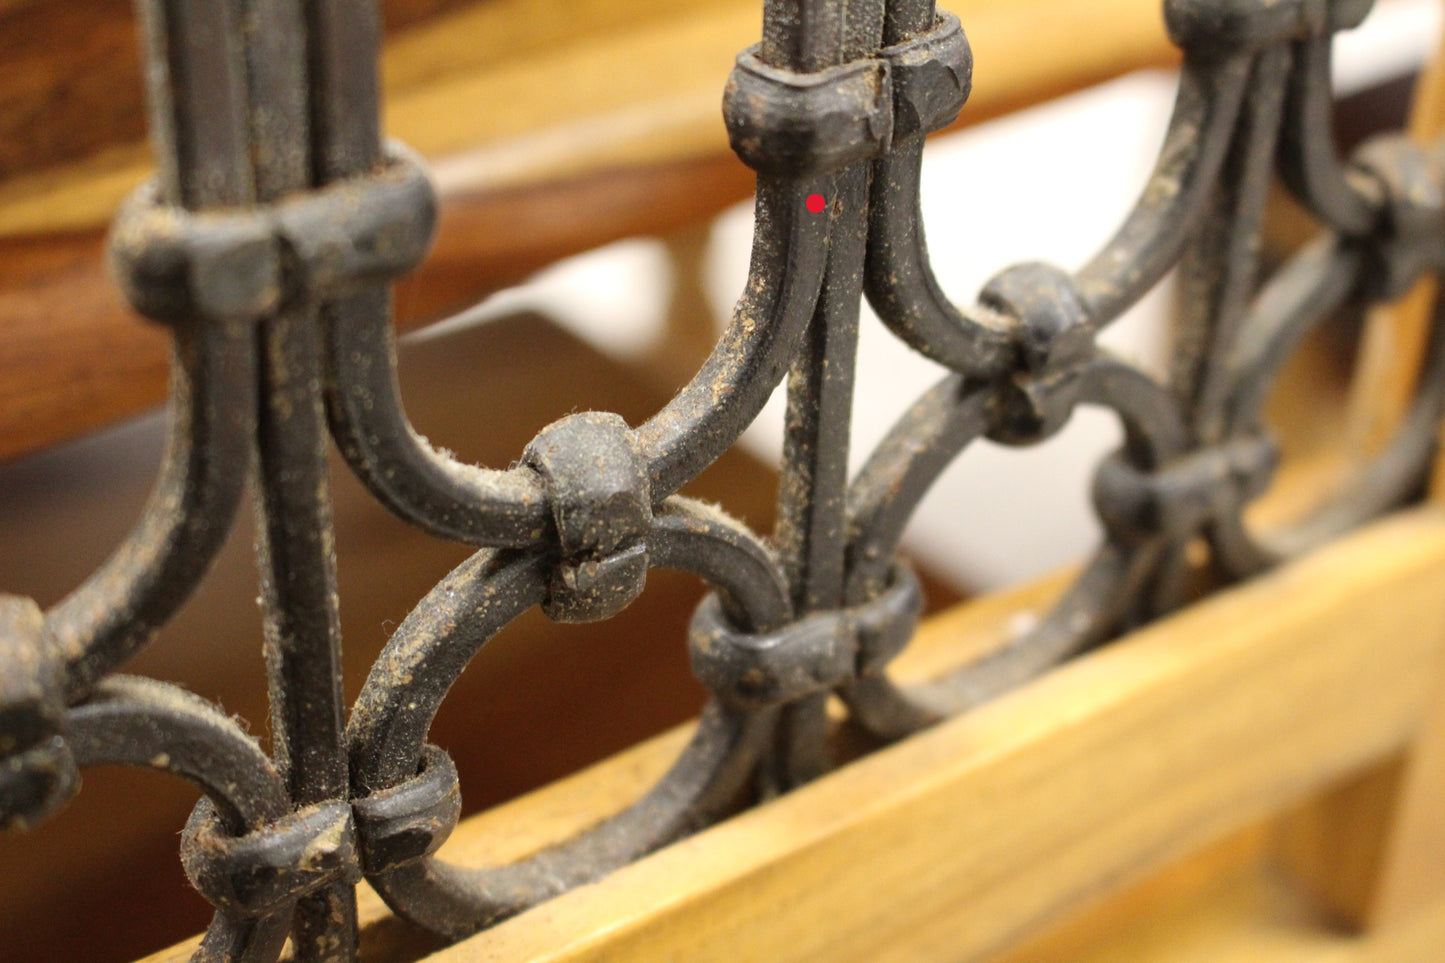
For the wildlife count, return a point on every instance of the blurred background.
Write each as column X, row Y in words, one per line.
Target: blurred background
column 621, row 172
column 1049, row 183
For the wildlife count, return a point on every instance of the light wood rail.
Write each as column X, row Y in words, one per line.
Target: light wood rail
column 956, row 843
column 1374, row 851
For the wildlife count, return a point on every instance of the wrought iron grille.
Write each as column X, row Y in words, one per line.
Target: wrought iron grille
column 266, row 243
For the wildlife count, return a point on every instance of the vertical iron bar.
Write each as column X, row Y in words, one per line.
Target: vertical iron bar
column 197, row 94
column 905, row 19
column 344, row 44
column 295, row 536
column 802, row 35
column 812, row 529
column 1217, row 280
column 1220, row 266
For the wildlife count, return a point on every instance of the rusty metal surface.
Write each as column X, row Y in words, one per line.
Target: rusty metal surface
column 268, row 240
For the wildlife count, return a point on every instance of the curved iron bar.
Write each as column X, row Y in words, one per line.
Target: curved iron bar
column 1337, row 195
column 981, row 342
column 1154, row 234
column 509, row 508
column 431, row 648
column 906, row 464
column 197, row 128
column 1217, row 274
column 99, row 626
column 1305, row 293
column 139, row 722
column 1221, row 263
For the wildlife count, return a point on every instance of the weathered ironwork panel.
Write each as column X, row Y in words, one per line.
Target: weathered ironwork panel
column 267, row 242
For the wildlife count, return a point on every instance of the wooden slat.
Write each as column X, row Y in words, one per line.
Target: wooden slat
column 1393, row 344
column 63, row 102
column 1411, row 876
column 1334, row 847
column 543, row 147
column 1374, row 850
column 952, row 844
column 73, row 358
column 1221, row 908
column 547, row 89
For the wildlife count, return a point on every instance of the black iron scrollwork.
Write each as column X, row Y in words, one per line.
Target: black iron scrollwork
column 266, row 244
